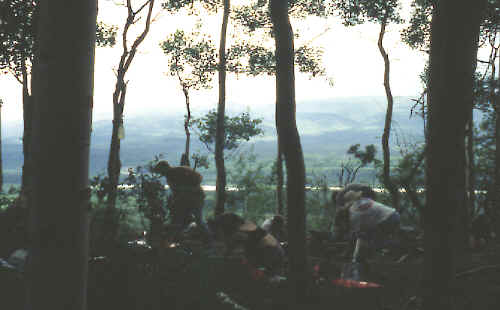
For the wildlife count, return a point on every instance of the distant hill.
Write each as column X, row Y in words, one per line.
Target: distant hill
column 327, row 128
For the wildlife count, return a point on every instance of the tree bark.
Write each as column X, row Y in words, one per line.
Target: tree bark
column 391, row 187
column 185, row 156
column 495, row 101
column 454, row 31
column 279, row 181
column 27, row 132
column 220, row 185
column 1, row 166
column 469, row 193
column 289, row 140
column 56, row 275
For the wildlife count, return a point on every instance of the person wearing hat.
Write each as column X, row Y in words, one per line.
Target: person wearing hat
column 369, row 222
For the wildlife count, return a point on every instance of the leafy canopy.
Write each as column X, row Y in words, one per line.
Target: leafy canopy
column 17, row 35
column 417, row 34
column 192, row 58
column 237, row 129
column 356, row 12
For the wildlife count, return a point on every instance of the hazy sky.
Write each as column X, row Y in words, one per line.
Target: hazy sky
column 351, row 59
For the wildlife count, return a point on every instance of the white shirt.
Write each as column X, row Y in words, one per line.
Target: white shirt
column 365, row 214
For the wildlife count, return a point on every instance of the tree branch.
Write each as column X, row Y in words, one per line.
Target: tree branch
column 475, row 270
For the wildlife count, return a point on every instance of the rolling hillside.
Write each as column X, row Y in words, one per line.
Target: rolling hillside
column 327, row 129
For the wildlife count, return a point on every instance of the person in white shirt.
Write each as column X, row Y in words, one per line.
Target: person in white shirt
column 370, row 223
column 275, row 226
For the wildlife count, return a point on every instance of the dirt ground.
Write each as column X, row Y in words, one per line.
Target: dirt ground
column 477, row 283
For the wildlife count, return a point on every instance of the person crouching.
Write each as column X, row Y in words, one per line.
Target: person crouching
column 276, row 226
column 261, row 249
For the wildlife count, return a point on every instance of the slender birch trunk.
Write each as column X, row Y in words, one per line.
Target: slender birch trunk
column 220, row 185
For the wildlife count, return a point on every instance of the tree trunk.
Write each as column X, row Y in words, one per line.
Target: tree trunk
column 220, row 185
column 279, row 181
column 185, row 156
column 391, row 187
column 1, row 166
column 469, row 193
column 455, row 28
column 495, row 101
column 27, row 132
column 114, row 163
column 56, row 276
column 289, row 140
column 114, row 167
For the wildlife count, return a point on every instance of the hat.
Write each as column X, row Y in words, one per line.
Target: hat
column 353, row 192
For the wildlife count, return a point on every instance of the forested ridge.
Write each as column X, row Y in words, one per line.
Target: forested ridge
column 341, row 127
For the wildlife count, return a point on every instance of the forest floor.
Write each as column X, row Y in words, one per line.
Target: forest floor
column 115, row 286
column 476, row 285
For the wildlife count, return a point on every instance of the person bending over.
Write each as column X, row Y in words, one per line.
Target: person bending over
column 370, row 223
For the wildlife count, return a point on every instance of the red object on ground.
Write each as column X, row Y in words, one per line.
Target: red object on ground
column 257, row 274
column 354, row 284
column 315, row 272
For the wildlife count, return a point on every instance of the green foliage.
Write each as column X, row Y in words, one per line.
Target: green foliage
column 7, row 200
column 200, row 161
column 254, row 59
column 417, row 34
column 365, row 157
column 253, row 16
column 256, row 14
column 105, row 35
column 237, row 129
column 130, row 223
column 192, row 58
column 251, row 59
column 485, row 151
column 320, row 209
column 147, row 188
column 16, row 34
column 491, row 23
column 410, row 168
column 17, row 37
column 356, row 12
column 308, row 60
column 254, row 194
column 358, row 159
column 304, row 8
column 174, row 6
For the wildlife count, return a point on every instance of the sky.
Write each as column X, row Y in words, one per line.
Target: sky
column 351, row 58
